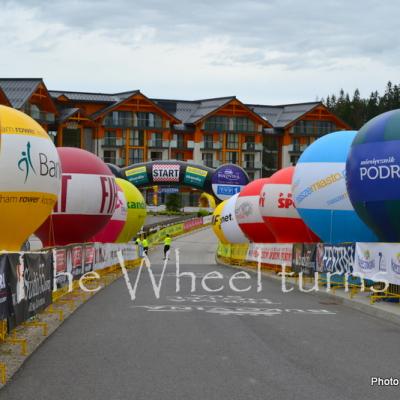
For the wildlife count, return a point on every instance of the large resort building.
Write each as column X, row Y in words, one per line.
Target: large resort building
column 127, row 128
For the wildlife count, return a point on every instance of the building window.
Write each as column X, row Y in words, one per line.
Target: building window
column 156, row 155
column 135, row 156
column 232, row 157
column 156, row 140
column 110, row 138
column 271, row 161
column 110, row 156
column 232, row 141
column 136, row 138
column 180, row 142
column 71, row 138
column 296, row 144
column 207, row 159
column 251, row 176
column 179, row 156
column 208, row 142
column 294, row 159
column 318, row 128
column 249, row 161
column 119, row 119
column 149, row 120
column 244, row 124
column 270, row 143
column 217, row 123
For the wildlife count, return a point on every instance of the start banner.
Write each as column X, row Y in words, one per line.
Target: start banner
column 271, row 253
column 378, row 262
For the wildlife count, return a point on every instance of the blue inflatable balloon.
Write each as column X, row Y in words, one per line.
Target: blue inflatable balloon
column 373, row 175
column 320, row 194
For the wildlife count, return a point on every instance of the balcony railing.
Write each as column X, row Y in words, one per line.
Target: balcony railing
column 158, row 143
column 42, row 116
column 119, row 123
column 113, row 142
column 297, row 148
column 252, row 146
column 252, row 164
column 208, row 145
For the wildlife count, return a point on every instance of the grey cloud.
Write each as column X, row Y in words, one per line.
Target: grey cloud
column 304, row 33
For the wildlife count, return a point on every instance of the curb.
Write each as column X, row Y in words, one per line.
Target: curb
column 374, row 310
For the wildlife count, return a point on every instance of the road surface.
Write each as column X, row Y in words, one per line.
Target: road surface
column 206, row 346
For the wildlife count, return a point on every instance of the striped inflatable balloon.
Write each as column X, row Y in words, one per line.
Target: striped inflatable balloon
column 278, row 210
column 320, row 194
column 373, row 175
column 248, row 215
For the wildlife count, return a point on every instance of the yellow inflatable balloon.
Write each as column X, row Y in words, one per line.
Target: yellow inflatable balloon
column 136, row 211
column 30, row 177
column 216, row 222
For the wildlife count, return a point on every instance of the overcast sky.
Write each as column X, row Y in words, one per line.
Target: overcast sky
column 262, row 51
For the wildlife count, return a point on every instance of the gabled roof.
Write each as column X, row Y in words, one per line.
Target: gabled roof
column 207, row 107
column 283, row 115
column 18, row 91
column 85, row 96
column 4, row 99
column 118, row 101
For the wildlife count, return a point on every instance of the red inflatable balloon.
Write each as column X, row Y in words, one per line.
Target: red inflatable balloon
column 111, row 231
column 86, row 202
column 278, row 210
column 248, row 213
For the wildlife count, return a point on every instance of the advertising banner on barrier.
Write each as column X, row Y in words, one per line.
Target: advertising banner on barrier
column 88, row 258
column 192, row 223
column 378, row 261
column 304, row 258
column 106, row 254
column 335, row 258
column 271, row 253
column 30, row 283
column 4, row 293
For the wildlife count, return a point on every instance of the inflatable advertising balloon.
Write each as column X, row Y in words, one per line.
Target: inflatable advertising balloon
column 216, row 222
column 320, row 193
column 136, row 211
column 110, row 232
column 248, row 214
column 30, row 177
column 228, row 180
column 279, row 212
column 229, row 224
column 86, row 201
column 373, row 175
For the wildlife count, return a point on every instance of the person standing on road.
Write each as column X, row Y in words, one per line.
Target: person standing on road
column 167, row 245
column 139, row 246
column 145, row 245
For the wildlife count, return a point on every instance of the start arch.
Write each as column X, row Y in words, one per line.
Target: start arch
column 222, row 182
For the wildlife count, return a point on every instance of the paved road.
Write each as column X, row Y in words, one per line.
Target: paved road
column 208, row 346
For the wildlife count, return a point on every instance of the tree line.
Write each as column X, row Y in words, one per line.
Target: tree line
column 356, row 111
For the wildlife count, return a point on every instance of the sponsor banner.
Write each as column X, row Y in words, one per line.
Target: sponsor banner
column 327, row 192
column 30, row 284
column 192, row 223
column 228, row 180
column 77, row 260
column 207, row 219
column 60, row 267
column 168, row 190
column 335, row 258
column 378, row 261
column 378, row 176
column 271, row 253
column 195, row 177
column 105, row 254
column 4, row 291
column 247, row 210
column 166, row 172
column 103, row 188
column 276, row 201
column 304, row 258
column 89, row 257
column 138, row 175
